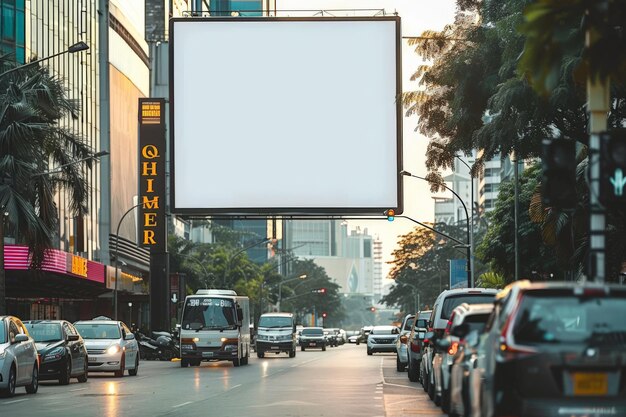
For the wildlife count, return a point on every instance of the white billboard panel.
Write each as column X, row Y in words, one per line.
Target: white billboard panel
column 285, row 115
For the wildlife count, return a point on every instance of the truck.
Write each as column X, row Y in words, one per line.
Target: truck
column 215, row 326
column 276, row 332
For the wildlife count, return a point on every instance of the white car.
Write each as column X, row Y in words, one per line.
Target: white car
column 18, row 357
column 402, row 357
column 111, row 346
column 382, row 339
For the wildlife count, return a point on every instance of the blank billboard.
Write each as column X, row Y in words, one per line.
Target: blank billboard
column 285, row 115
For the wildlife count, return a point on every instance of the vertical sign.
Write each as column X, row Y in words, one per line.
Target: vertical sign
column 458, row 273
column 152, row 230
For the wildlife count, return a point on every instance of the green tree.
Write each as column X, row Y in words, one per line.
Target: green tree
column 491, row 280
column 33, row 105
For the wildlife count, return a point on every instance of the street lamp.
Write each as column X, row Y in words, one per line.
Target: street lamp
column 117, row 244
column 280, row 287
column 58, row 169
column 77, row 47
column 230, row 259
column 467, row 219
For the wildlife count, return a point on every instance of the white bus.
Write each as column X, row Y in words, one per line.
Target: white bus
column 215, row 326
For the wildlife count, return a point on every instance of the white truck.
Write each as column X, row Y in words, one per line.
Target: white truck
column 215, row 326
column 276, row 333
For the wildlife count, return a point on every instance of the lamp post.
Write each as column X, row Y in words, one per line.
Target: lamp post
column 280, row 288
column 77, row 47
column 416, row 296
column 117, row 244
column 230, row 259
column 468, row 246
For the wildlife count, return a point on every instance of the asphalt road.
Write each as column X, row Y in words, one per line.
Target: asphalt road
column 341, row 381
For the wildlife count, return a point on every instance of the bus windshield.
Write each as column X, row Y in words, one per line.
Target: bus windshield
column 209, row 313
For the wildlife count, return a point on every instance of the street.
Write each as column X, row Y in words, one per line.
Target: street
column 340, row 381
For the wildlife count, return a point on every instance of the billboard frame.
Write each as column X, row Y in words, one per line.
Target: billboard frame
column 290, row 211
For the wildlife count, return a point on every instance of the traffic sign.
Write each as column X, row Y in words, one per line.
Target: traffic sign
column 174, row 298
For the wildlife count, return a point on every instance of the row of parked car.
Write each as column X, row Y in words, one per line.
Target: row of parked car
column 532, row 349
column 39, row 350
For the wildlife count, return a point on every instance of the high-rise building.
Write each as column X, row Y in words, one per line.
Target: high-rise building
column 450, row 209
column 377, row 279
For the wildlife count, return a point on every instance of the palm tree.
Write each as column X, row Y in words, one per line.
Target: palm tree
column 491, row 280
column 32, row 105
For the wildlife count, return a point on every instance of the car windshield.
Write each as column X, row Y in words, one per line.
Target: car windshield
column 275, row 322
column 98, row 331
column 312, row 332
column 566, row 318
column 409, row 324
column 384, row 331
column 44, row 332
column 209, row 313
column 421, row 324
column 454, row 301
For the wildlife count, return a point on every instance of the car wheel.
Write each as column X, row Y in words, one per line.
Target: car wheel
column 292, row 353
column 34, row 381
column 369, row 351
column 324, row 348
column 120, row 373
column 302, row 348
column 133, row 372
column 399, row 365
column 85, row 375
column 66, row 373
column 260, row 354
column 237, row 362
column 184, row 363
column 412, row 371
column 9, row 391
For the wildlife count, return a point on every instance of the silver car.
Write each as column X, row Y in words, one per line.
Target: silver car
column 382, row 339
column 111, row 346
column 402, row 357
column 19, row 365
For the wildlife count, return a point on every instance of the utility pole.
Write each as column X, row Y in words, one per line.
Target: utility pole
column 598, row 94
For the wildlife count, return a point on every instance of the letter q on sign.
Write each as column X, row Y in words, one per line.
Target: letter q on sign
column 150, row 152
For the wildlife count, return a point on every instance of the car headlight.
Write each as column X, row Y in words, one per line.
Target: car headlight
column 229, row 348
column 54, row 354
column 113, row 349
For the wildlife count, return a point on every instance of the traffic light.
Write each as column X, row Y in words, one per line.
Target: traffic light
column 324, row 315
column 390, row 214
column 558, row 185
column 613, row 168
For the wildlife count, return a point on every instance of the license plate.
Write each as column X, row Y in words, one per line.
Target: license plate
column 312, row 343
column 93, row 359
column 274, row 347
column 590, row 383
column 207, row 354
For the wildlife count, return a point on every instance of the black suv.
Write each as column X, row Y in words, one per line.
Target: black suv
column 312, row 337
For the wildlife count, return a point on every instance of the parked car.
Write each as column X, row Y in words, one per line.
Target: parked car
column 19, row 365
column 331, row 337
column 552, row 349
column 445, row 303
column 111, row 346
column 415, row 344
column 382, row 339
column 365, row 331
column 466, row 320
column 61, row 349
column 312, row 337
column 402, row 342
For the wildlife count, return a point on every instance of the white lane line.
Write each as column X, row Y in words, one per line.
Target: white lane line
column 233, row 387
column 180, row 405
column 15, row 401
column 305, row 362
column 378, row 398
column 77, row 389
column 403, row 386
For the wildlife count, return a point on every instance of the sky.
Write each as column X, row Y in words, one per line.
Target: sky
column 417, row 16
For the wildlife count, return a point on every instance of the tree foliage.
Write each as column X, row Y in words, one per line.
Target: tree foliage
column 476, row 93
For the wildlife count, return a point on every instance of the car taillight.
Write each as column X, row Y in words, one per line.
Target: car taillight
column 508, row 349
column 415, row 347
column 454, row 347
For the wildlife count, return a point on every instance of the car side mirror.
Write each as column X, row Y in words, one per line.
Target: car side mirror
column 129, row 336
column 19, row 338
column 239, row 314
column 72, row 337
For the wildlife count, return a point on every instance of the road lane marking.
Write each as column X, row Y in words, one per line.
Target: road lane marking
column 403, row 386
column 15, row 401
column 77, row 389
column 183, row 404
column 233, row 387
